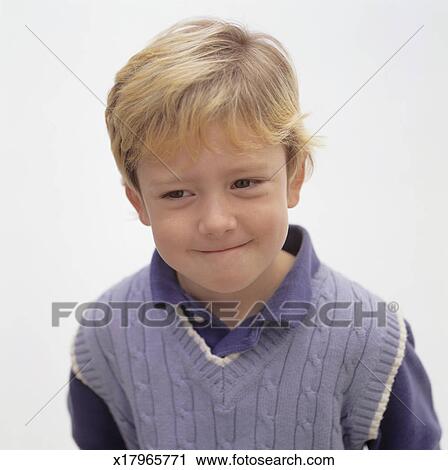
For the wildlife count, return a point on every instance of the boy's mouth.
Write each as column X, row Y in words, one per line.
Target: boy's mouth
column 226, row 249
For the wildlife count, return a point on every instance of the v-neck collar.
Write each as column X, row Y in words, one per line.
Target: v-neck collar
column 222, row 375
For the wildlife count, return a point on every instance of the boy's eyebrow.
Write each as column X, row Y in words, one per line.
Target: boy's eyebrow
column 247, row 167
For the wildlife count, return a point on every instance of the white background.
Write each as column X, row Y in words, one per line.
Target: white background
column 375, row 206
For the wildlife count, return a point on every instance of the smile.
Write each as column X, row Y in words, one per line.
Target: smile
column 225, row 251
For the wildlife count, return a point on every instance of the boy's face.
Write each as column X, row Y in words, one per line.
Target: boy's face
column 215, row 206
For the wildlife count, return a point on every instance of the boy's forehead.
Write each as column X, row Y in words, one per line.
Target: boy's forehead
column 164, row 172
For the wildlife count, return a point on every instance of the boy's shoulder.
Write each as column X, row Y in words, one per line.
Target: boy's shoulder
column 337, row 286
column 351, row 308
column 108, row 313
column 131, row 287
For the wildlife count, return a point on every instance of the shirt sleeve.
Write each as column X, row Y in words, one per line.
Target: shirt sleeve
column 409, row 421
column 93, row 426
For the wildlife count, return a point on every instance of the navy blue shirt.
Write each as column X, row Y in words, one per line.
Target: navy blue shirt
column 409, row 421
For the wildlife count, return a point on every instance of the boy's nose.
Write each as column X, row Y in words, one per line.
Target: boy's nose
column 217, row 219
column 217, row 225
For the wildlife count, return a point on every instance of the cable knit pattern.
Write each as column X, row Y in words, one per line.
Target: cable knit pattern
column 321, row 387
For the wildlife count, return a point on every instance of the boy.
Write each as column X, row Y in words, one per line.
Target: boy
column 235, row 335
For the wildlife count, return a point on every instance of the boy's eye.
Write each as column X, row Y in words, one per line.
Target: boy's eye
column 175, row 194
column 256, row 181
column 169, row 195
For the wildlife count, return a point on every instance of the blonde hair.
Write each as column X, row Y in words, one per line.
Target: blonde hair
column 198, row 72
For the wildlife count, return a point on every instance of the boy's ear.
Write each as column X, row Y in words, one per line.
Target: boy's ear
column 295, row 185
column 136, row 200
